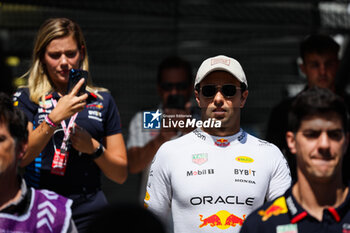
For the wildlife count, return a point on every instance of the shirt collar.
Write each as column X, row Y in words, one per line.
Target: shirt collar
column 21, row 205
column 297, row 213
column 52, row 95
column 56, row 96
column 344, row 207
column 239, row 137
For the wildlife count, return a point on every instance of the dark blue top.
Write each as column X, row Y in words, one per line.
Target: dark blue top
column 284, row 214
column 100, row 118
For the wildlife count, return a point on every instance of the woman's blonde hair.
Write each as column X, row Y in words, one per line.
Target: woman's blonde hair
column 39, row 83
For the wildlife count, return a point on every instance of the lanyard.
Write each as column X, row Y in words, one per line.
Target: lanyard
column 65, row 128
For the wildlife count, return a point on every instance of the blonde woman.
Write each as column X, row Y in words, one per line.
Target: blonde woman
column 71, row 138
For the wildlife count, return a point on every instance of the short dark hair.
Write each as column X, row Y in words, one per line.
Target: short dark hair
column 316, row 101
column 318, row 43
column 13, row 118
column 175, row 62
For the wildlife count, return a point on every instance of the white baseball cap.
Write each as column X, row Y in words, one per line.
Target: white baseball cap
column 222, row 63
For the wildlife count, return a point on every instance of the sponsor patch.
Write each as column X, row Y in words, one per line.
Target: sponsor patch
column 222, row 142
column 288, row 228
column 244, row 159
column 200, row 172
column 278, row 207
column 200, row 158
column 46, row 104
column 222, row 220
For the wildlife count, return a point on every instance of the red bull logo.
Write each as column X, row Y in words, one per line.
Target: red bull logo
column 222, row 220
column 222, row 142
column 97, row 106
column 278, row 207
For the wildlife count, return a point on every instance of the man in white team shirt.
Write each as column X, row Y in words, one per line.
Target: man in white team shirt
column 212, row 178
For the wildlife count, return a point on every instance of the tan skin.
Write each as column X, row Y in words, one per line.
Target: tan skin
column 320, row 69
column 226, row 110
column 61, row 55
column 140, row 157
column 319, row 145
column 10, row 155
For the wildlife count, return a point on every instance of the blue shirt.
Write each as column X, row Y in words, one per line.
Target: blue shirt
column 284, row 214
column 100, row 118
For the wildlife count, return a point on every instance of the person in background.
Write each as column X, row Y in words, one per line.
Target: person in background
column 175, row 86
column 319, row 200
column 72, row 138
column 320, row 62
column 211, row 178
column 24, row 209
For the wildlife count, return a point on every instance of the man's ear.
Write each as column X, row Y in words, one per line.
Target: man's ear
column 290, row 137
column 21, row 150
column 244, row 97
column 196, row 94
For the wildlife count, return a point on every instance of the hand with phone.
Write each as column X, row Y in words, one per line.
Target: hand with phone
column 74, row 76
column 69, row 104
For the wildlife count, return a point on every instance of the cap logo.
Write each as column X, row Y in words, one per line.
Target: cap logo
column 224, row 61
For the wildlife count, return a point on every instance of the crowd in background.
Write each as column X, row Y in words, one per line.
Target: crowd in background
column 65, row 139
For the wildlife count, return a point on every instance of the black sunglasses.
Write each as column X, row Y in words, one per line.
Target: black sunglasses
column 228, row 90
column 178, row 86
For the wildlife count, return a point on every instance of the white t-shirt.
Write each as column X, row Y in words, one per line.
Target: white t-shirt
column 211, row 184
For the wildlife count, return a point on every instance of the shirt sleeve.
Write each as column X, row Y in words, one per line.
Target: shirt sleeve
column 158, row 192
column 112, row 124
column 280, row 178
column 22, row 101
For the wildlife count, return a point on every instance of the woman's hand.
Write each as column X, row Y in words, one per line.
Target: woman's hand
column 69, row 104
column 113, row 161
column 82, row 141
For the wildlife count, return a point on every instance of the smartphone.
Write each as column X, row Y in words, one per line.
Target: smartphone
column 74, row 76
column 176, row 102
